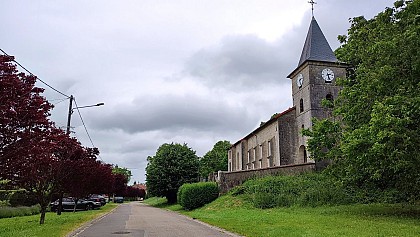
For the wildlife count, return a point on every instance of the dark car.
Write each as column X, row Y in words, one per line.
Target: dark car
column 97, row 198
column 68, row 205
column 118, row 199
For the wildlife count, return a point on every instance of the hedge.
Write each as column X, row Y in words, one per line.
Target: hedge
column 191, row 196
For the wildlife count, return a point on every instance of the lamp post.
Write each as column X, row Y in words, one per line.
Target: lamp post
column 60, row 200
column 71, row 111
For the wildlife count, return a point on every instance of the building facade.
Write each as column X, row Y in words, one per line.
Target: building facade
column 279, row 141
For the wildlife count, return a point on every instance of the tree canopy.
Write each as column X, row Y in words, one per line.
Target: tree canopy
column 172, row 166
column 121, row 170
column 216, row 159
column 373, row 140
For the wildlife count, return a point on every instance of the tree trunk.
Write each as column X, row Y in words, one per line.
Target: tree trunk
column 60, row 203
column 171, row 197
column 42, row 218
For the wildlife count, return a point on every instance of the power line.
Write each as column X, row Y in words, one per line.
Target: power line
column 61, row 100
column 34, row 75
column 84, row 125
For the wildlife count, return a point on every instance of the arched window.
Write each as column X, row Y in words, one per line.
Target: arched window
column 329, row 97
column 301, row 105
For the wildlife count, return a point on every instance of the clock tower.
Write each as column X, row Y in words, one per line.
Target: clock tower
column 312, row 81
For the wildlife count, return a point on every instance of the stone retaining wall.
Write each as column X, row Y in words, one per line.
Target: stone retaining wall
column 228, row 180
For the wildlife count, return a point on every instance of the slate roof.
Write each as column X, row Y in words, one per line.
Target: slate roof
column 316, row 46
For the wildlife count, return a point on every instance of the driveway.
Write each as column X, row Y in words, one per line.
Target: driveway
column 140, row 220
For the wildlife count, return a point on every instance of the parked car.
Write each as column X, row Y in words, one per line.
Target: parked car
column 97, row 198
column 68, row 205
column 118, row 199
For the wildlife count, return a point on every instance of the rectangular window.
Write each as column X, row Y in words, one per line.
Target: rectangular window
column 248, row 154
column 269, row 149
column 237, row 161
column 255, row 153
column 260, row 163
column 261, row 151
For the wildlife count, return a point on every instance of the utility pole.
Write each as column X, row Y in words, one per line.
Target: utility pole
column 60, row 200
column 69, row 115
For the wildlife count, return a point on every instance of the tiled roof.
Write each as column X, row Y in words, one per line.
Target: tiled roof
column 316, row 46
column 274, row 118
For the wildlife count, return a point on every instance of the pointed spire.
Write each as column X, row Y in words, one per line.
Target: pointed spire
column 316, row 46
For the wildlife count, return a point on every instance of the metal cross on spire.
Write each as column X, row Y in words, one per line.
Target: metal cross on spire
column 312, row 2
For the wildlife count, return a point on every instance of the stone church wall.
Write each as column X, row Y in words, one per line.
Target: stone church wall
column 287, row 138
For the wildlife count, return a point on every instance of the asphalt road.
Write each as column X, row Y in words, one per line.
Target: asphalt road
column 140, row 220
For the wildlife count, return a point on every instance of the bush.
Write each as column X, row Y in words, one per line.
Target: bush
column 6, row 194
column 7, row 212
column 191, row 196
column 22, row 198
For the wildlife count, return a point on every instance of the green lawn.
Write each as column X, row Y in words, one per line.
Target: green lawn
column 28, row 226
column 232, row 214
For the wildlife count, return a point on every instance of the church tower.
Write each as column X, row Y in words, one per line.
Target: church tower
column 312, row 81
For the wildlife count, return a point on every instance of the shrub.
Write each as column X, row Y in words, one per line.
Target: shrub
column 22, row 198
column 191, row 196
column 5, row 194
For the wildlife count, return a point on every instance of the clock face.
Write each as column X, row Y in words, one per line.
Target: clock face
column 327, row 74
column 299, row 80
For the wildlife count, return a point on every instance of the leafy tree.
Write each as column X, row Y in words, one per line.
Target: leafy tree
column 172, row 166
column 215, row 160
column 120, row 184
column 374, row 146
column 27, row 137
column 23, row 114
column 35, row 168
column 121, row 170
column 133, row 192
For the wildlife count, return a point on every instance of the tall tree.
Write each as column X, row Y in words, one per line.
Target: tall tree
column 216, row 159
column 172, row 166
column 36, row 168
column 378, row 109
column 121, row 170
column 23, row 114
column 27, row 137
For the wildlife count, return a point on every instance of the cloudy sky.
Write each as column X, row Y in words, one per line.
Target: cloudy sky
column 185, row 71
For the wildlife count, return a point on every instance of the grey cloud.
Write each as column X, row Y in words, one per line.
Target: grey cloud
column 242, row 60
column 176, row 113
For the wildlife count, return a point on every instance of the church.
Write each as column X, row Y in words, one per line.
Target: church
column 279, row 142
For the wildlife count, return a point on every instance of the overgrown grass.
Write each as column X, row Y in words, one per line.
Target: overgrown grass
column 7, row 212
column 236, row 214
column 29, row 226
column 310, row 189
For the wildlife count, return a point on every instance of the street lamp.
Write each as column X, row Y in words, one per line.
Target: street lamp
column 71, row 111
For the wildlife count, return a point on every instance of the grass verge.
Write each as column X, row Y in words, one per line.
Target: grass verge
column 54, row 226
column 239, row 216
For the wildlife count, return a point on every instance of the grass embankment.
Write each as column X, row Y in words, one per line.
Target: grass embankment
column 29, row 226
column 236, row 214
